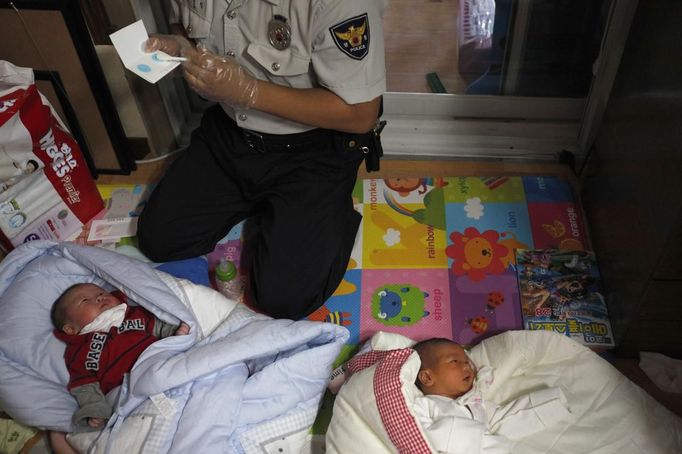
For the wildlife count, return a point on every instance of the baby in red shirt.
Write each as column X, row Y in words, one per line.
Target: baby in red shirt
column 104, row 336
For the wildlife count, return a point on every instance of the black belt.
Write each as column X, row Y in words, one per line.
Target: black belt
column 284, row 143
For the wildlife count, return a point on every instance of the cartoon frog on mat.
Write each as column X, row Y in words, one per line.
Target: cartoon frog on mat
column 399, row 304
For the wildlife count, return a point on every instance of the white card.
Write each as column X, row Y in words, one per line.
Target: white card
column 112, row 229
column 129, row 43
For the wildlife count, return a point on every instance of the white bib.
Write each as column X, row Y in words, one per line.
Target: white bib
column 106, row 320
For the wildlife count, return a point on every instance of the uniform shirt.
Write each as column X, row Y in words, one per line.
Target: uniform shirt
column 335, row 44
column 105, row 357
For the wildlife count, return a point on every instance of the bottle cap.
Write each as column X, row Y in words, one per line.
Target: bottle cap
column 225, row 270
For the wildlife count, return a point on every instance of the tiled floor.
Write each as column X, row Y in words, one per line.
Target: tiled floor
column 630, row 368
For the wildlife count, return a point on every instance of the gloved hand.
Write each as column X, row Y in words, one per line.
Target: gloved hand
column 219, row 78
column 174, row 45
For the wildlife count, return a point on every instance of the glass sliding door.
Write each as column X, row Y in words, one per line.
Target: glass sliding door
column 494, row 78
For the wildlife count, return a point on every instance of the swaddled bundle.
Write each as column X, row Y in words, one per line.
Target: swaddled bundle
column 374, row 410
column 238, row 381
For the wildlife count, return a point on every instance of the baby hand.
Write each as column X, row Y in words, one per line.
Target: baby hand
column 95, row 422
column 182, row 330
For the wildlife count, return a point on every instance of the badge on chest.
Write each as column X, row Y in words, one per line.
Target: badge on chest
column 279, row 32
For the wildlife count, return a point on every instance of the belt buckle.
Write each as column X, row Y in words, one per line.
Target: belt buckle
column 254, row 140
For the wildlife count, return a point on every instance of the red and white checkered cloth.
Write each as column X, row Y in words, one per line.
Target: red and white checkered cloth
column 402, row 428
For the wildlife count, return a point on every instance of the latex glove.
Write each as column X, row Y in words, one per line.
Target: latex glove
column 174, row 45
column 220, row 79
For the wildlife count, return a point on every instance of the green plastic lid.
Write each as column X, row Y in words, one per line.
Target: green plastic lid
column 225, row 270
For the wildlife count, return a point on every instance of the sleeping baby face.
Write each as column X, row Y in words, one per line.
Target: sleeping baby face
column 83, row 303
column 446, row 370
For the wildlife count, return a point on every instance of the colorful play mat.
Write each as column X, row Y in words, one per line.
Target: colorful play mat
column 435, row 256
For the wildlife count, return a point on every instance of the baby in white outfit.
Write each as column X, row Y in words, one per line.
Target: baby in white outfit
column 457, row 420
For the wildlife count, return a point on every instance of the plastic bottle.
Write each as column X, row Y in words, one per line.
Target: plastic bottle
column 227, row 279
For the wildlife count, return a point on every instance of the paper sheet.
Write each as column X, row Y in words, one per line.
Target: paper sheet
column 112, row 229
column 129, row 42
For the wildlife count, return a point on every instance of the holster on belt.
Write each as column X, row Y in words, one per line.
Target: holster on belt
column 369, row 143
column 374, row 150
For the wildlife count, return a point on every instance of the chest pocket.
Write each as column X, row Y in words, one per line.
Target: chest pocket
column 282, row 63
column 197, row 22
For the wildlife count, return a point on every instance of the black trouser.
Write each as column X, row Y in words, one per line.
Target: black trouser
column 297, row 188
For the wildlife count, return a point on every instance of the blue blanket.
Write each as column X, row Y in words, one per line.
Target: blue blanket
column 239, row 382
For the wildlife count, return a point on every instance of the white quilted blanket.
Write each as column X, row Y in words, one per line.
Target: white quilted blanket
column 610, row 414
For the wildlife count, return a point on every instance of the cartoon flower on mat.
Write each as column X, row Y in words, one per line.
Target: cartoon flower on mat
column 392, row 237
column 474, row 208
column 476, row 254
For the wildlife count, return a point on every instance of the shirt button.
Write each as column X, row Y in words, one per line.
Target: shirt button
column 276, row 66
column 189, row 29
column 232, row 14
column 230, row 53
column 242, row 117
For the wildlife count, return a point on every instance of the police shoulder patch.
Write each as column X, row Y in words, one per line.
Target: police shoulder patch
column 352, row 36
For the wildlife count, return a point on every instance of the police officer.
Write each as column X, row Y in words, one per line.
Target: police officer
column 298, row 86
